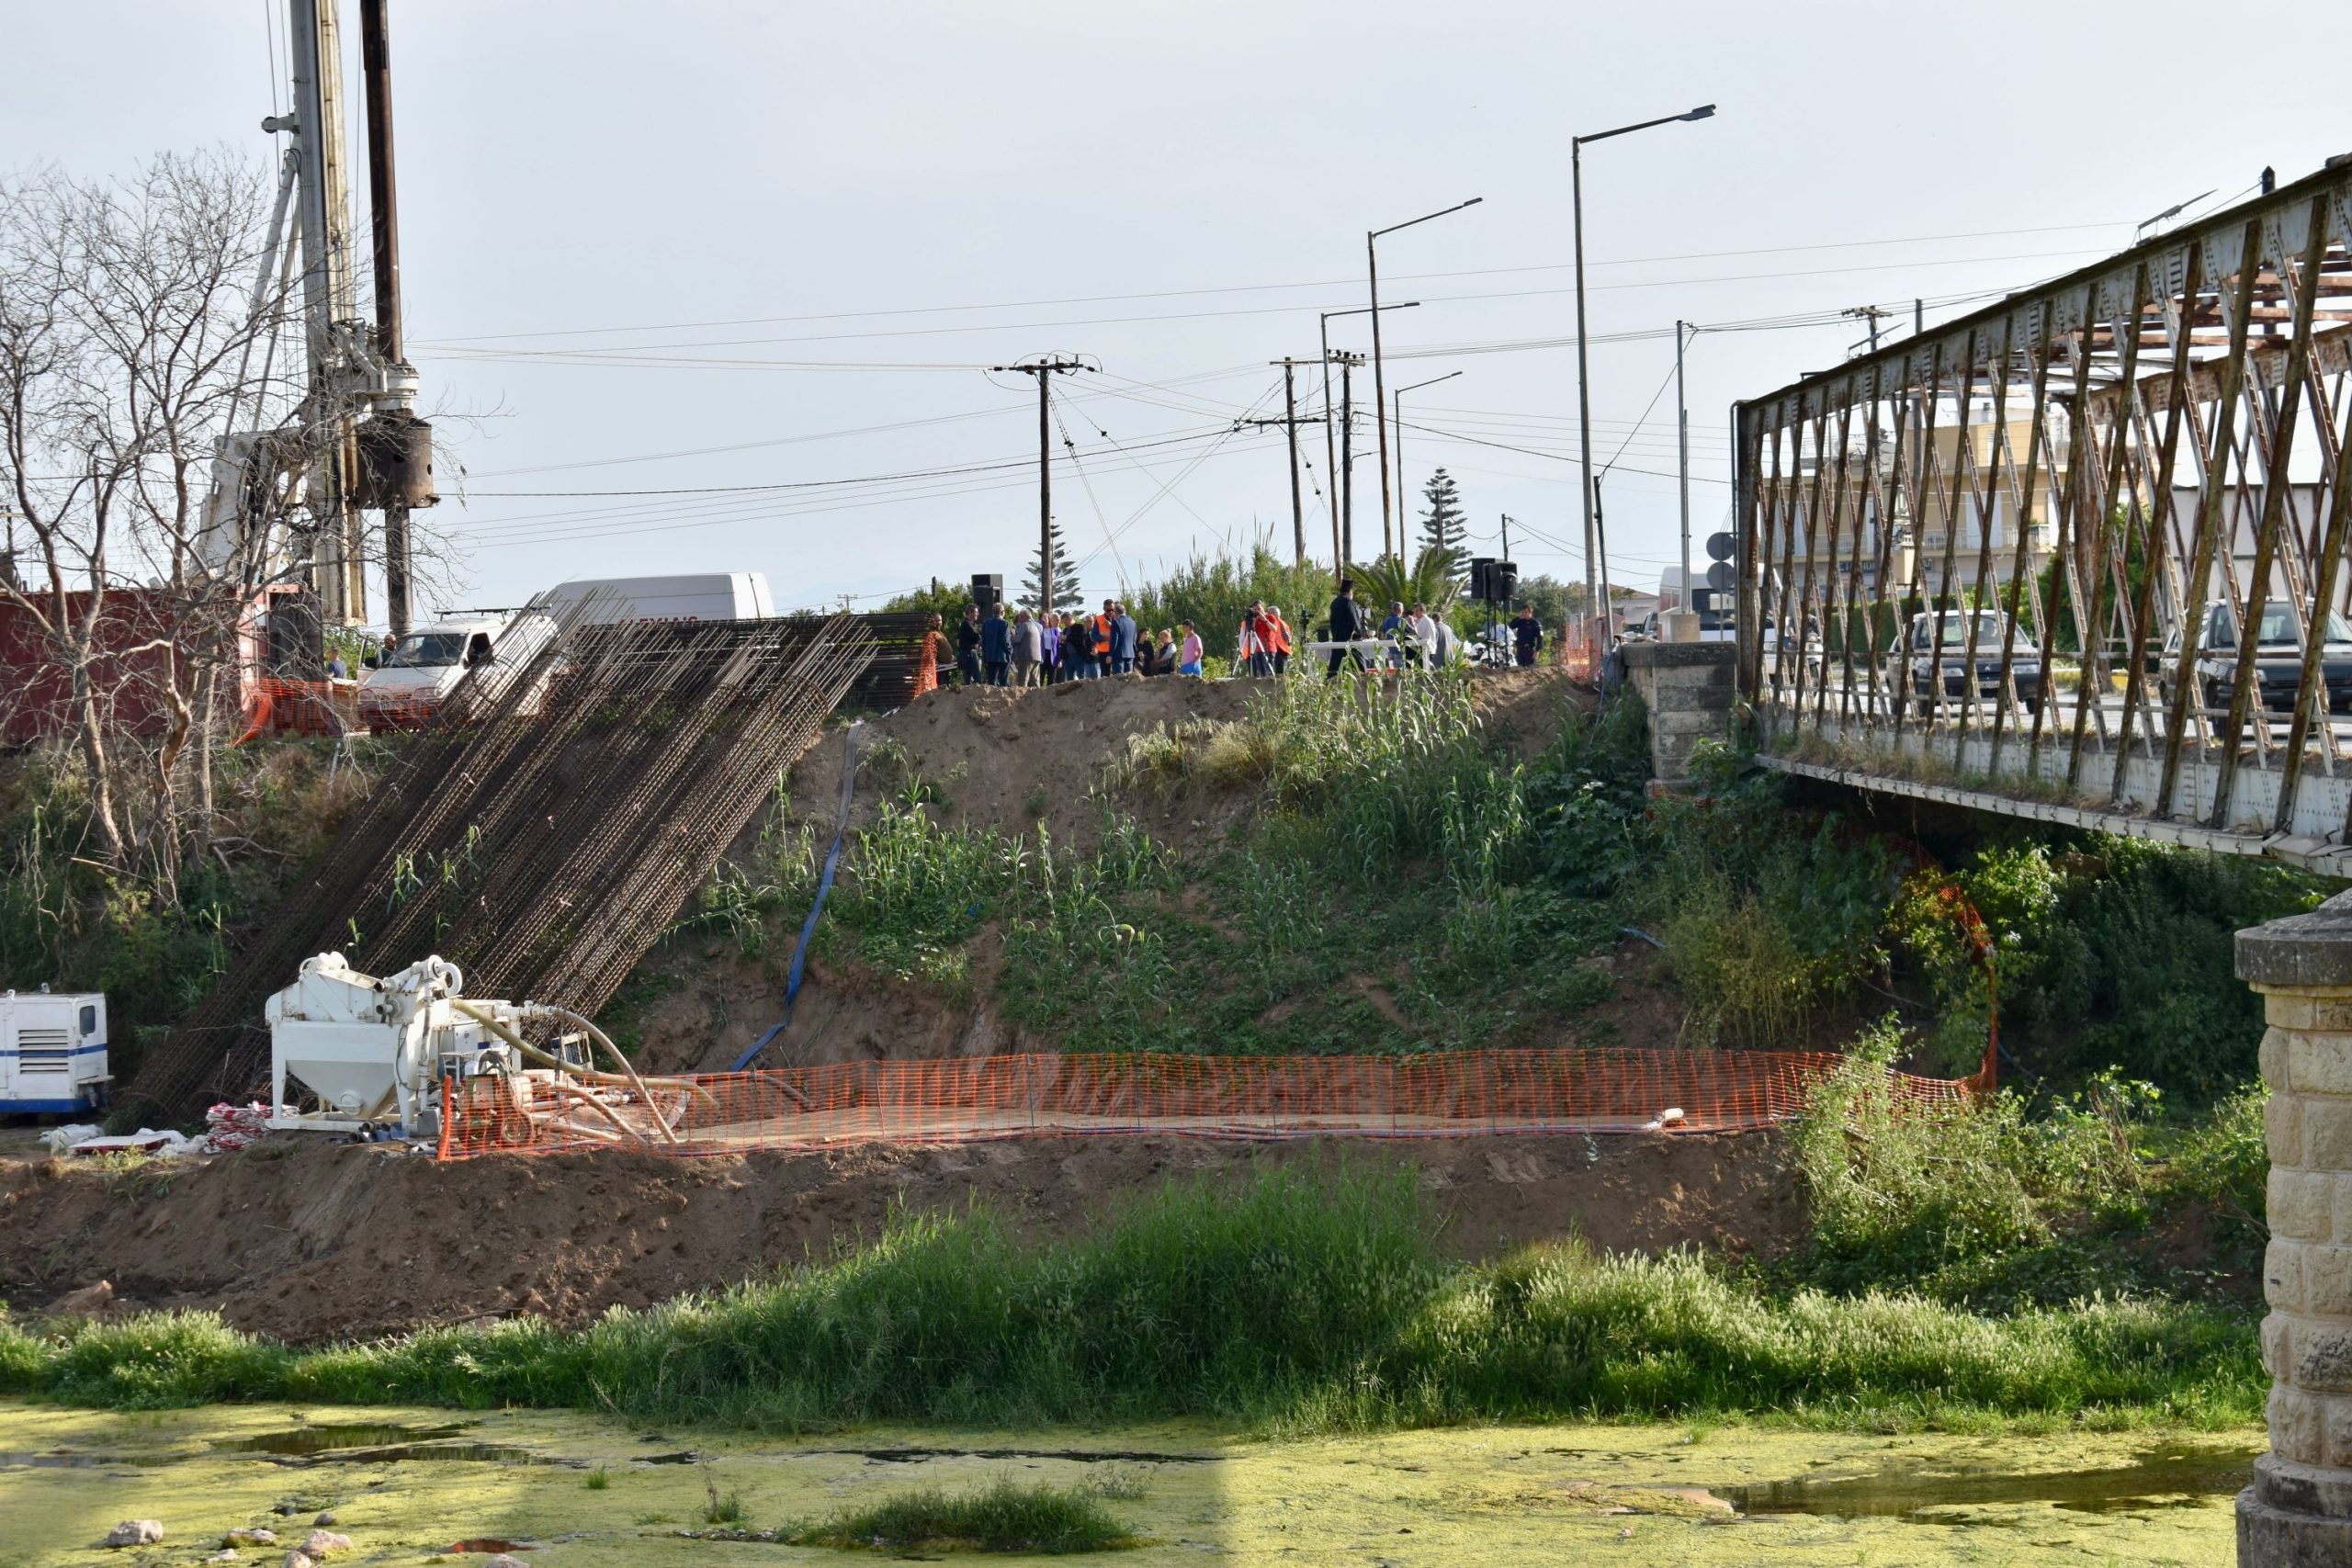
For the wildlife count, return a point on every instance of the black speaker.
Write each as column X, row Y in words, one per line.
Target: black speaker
column 1481, row 566
column 1502, row 580
column 987, row 590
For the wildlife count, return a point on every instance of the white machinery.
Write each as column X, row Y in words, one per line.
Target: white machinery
column 378, row 1051
column 374, row 1050
column 52, row 1051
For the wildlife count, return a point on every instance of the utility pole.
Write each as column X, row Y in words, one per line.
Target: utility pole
column 1290, row 429
column 1342, row 549
column 1379, row 386
column 1686, row 596
column 315, row 35
column 1403, row 500
column 1873, row 314
column 1491, row 634
column 395, row 447
column 1348, row 362
column 1290, row 421
column 1045, row 370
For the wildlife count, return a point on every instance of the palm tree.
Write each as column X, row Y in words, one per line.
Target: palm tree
column 1388, row 581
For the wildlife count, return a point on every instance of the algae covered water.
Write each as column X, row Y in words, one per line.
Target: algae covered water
column 564, row 1490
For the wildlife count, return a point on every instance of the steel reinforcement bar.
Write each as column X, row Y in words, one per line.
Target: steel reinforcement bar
column 2085, row 546
column 543, row 835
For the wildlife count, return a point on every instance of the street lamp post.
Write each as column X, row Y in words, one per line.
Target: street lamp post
column 1379, row 388
column 1401, row 451
column 1593, row 585
column 1330, row 459
column 1681, row 624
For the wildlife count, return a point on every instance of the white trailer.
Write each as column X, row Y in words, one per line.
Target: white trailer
column 52, row 1051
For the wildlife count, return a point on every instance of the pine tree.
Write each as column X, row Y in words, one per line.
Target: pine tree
column 1444, row 526
column 1067, row 595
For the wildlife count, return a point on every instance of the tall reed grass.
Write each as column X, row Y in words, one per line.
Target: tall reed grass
column 1291, row 1303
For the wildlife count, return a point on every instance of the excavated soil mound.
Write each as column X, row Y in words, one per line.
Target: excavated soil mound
column 314, row 1242
column 995, row 757
column 1009, row 757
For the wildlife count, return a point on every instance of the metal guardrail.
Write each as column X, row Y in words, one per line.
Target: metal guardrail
column 2070, row 549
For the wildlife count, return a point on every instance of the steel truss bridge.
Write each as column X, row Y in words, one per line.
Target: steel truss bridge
column 2063, row 557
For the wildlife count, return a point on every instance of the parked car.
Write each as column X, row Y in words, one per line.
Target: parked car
column 2278, row 659
column 1932, row 667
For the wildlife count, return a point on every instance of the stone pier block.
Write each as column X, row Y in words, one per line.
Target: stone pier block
column 2298, row 1512
column 1689, row 689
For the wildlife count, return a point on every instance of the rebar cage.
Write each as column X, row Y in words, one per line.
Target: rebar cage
column 2072, row 547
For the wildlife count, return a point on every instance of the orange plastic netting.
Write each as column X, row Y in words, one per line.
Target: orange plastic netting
column 1575, row 1089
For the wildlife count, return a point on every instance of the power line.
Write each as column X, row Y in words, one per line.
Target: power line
column 1263, row 288
column 663, row 356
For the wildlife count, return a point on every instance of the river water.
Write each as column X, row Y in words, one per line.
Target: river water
column 424, row 1485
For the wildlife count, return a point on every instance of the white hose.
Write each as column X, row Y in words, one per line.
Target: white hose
column 565, row 1015
column 534, row 1054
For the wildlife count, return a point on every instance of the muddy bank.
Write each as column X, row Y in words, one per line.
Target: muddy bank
column 313, row 1242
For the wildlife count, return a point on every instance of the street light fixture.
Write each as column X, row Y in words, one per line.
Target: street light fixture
column 1379, row 388
column 1594, row 587
column 1401, row 451
column 1330, row 461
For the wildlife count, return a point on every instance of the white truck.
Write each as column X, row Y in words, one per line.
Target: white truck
column 701, row 596
column 425, row 666
column 52, row 1052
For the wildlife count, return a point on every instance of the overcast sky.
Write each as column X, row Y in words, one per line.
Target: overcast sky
column 697, row 245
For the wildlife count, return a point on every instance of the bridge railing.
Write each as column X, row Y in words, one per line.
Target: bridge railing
column 2073, row 548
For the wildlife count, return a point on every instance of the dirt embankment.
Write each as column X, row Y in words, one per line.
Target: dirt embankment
column 991, row 757
column 313, row 1242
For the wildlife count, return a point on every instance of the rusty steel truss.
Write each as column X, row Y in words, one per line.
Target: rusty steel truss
column 2068, row 551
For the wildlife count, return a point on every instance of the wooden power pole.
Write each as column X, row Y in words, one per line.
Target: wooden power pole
column 1045, row 370
column 1290, row 421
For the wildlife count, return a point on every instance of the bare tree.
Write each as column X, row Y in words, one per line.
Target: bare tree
column 145, row 399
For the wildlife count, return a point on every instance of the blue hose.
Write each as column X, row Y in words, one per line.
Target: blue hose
column 824, row 885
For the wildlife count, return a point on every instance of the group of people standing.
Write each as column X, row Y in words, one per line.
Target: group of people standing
column 1415, row 638
column 1031, row 649
column 1265, row 642
column 1042, row 649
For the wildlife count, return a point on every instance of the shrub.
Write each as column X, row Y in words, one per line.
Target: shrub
column 1002, row 1516
column 2116, row 954
column 1956, row 1196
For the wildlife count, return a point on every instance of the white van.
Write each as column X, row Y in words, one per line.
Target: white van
column 701, row 596
column 426, row 664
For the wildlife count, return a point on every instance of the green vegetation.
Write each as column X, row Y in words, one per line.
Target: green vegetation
column 2002, row 1203
column 154, row 948
column 1213, row 592
column 1295, row 1304
column 1002, row 1516
column 1401, row 882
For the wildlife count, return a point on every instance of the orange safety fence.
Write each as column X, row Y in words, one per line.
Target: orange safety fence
column 1580, row 648
column 278, row 706
column 969, row 1100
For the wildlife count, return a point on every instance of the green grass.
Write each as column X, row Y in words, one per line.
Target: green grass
column 1002, row 1516
column 1288, row 1303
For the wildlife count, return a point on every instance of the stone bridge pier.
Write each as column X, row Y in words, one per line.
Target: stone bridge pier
column 1688, row 688
column 2298, row 1512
